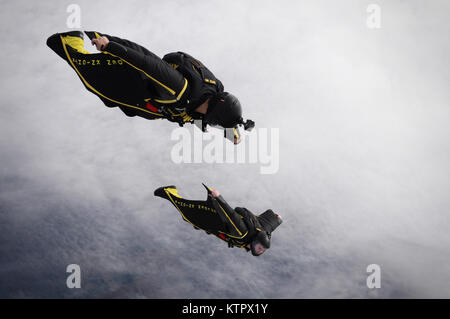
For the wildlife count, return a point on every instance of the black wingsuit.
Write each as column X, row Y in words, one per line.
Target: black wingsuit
column 238, row 227
column 128, row 76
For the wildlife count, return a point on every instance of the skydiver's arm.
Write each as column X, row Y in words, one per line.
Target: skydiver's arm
column 130, row 55
column 229, row 216
column 127, row 50
column 128, row 44
column 101, row 42
column 249, row 218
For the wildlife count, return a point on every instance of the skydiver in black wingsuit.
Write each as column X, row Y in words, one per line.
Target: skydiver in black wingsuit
column 238, row 227
column 178, row 87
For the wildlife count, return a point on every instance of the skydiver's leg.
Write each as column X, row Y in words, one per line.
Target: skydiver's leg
column 197, row 213
column 72, row 44
column 124, row 42
column 73, row 39
column 70, row 47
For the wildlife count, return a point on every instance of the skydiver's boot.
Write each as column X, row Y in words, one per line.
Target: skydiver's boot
column 73, row 39
column 165, row 190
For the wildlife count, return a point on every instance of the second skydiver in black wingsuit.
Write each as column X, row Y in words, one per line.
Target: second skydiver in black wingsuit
column 177, row 87
column 238, row 227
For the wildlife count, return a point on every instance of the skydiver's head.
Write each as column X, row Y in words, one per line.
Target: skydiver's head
column 224, row 109
column 269, row 222
column 257, row 248
column 260, row 243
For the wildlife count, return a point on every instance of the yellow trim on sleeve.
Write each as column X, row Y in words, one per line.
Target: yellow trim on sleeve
column 178, row 97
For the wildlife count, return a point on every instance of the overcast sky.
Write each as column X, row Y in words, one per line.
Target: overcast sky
column 363, row 116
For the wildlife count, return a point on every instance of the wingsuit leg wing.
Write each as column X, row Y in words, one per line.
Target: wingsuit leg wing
column 128, row 77
column 101, row 74
column 199, row 214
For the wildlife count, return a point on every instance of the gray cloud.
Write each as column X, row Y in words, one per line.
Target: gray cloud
column 364, row 153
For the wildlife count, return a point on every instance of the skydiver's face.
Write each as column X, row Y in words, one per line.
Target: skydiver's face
column 259, row 248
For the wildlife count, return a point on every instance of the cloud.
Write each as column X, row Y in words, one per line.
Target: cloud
column 363, row 154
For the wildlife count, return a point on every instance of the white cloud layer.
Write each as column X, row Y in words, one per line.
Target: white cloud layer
column 364, row 152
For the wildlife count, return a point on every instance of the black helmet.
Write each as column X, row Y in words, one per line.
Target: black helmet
column 225, row 110
column 261, row 238
column 269, row 222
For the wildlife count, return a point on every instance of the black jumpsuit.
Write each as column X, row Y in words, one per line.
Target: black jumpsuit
column 128, row 76
column 237, row 227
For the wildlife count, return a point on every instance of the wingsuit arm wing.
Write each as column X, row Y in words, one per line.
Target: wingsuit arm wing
column 234, row 222
column 130, row 55
column 125, row 49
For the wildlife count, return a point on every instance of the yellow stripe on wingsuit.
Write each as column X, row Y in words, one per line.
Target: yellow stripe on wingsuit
column 76, row 43
column 186, row 117
column 229, row 220
column 172, row 191
column 236, row 237
column 93, row 89
column 155, row 80
column 231, row 223
column 178, row 97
